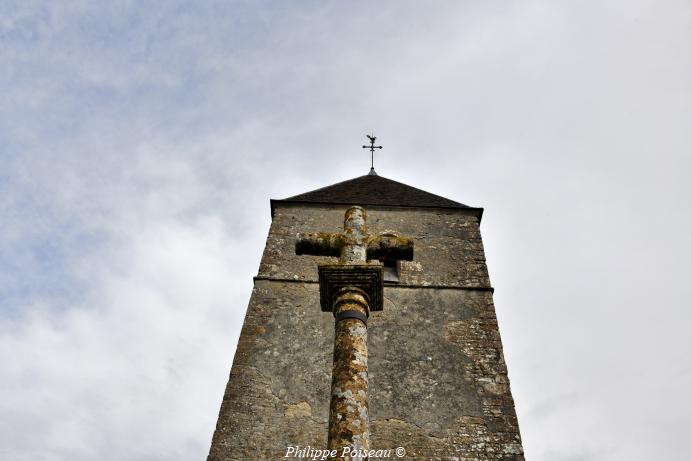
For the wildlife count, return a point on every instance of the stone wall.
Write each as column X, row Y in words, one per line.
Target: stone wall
column 448, row 246
column 438, row 381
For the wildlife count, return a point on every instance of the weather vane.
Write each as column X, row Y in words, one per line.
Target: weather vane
column 371, row 147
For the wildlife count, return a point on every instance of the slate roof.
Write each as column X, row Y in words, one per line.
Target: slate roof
column 372, row 189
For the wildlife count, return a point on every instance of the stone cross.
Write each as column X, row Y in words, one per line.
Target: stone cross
column 351, row 289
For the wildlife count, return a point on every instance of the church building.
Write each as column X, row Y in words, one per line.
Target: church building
column 433, row 382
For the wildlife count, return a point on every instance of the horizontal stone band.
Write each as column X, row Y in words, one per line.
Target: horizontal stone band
column 351, row 315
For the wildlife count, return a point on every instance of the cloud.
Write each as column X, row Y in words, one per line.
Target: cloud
column 141, row 142
column 137, row 363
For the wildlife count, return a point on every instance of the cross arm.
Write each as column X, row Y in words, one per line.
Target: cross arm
column 319, row 244
column 390, row 247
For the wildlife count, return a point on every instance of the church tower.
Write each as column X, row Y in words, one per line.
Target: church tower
column 434, row 373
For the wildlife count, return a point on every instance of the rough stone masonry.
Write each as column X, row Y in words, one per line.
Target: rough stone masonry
column 438, row 384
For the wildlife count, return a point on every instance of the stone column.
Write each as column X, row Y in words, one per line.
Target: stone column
column 350, row 289
column 348, row 415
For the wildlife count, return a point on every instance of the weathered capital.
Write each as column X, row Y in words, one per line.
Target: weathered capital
column 366, row 277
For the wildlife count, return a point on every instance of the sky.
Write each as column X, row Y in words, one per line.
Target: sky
column 140, row 143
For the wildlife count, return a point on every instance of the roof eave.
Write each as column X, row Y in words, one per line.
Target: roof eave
column 473, row 211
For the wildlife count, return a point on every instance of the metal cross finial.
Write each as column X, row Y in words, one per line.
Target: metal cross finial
column 371, row 147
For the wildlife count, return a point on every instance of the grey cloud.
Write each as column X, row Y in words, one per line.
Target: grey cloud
column 140, row 146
